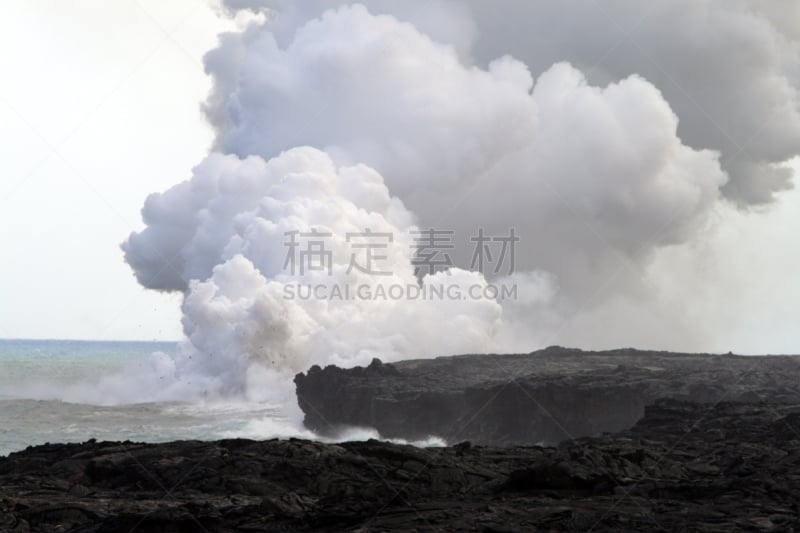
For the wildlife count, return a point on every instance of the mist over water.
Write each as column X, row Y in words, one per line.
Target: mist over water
column 40, row 378
column 59, row 391
column 51, row 391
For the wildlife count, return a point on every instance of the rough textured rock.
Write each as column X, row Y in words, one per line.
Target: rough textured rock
column 543, row 397
column 683, row 467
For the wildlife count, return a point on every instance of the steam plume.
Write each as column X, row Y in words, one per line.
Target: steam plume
column 428, row 114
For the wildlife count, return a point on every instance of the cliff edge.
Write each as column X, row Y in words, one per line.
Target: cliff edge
column 545, row 397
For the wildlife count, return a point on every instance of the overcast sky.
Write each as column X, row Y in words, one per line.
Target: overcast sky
column 95, row 95
column 100, row 106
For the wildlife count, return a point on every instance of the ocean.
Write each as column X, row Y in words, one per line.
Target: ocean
column 35, row 376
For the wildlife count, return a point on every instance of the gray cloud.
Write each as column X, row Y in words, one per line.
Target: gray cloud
column 589, row 174
column 728, row 68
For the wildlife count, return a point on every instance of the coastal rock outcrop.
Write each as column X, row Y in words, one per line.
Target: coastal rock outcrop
column 542, row 397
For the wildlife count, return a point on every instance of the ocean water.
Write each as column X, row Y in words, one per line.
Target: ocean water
column 34, row 376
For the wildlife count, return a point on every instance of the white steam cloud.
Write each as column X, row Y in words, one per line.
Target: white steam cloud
column 246, row 316
column 729, row 68
column 439, row 114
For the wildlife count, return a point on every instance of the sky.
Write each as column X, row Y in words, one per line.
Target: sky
column 100, row 106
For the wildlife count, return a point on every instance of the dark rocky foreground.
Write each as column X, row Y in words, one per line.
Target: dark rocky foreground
column 542, row 397
column 684, row 467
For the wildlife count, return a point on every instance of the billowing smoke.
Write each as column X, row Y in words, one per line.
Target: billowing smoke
column 590, row 173
column 728, row 68
column 466, row 117
column 221, row 238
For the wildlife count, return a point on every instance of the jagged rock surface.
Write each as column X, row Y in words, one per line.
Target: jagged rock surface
column 683, row 467
column 543, row 397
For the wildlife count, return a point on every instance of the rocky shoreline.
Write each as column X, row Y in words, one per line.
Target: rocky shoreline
column 542, row 397
column 555, row 440
column 683, row 467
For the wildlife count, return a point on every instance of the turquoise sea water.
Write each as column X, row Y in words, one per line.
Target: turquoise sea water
column 34, row 374
column 66, row 362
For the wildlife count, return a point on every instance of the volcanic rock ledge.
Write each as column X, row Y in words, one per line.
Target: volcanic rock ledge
column 542, row 397
column 683, row 467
